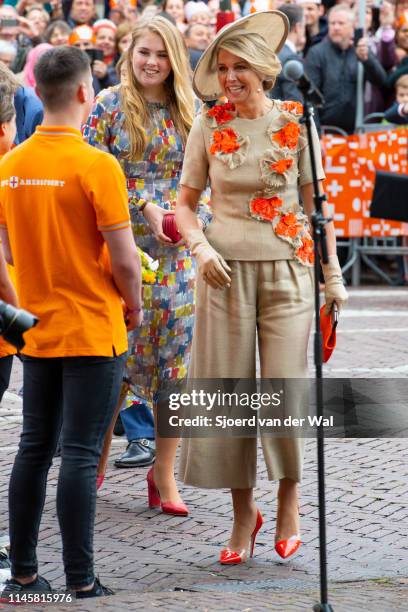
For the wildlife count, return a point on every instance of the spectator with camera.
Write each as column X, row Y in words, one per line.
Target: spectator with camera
column 103, row 65
column 332, row 66
column 83, row 37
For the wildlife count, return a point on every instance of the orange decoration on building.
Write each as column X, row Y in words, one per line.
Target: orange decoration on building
column 224, row 141
column 266, row 208
column 282, row 165
column 288, row 136
column 288, row 226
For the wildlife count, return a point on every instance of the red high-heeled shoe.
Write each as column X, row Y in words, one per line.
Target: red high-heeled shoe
column 178, row 508
column 286, row 548
column 233, row 557
column 99, row 481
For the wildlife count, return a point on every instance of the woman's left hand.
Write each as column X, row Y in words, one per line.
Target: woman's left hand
column 154, row 216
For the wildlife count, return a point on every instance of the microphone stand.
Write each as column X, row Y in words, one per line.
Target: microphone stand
column 319, row 237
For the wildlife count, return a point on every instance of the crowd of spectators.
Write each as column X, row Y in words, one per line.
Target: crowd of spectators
column 323, row 35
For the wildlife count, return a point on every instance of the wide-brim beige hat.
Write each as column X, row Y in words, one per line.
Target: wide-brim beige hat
column 273, row 26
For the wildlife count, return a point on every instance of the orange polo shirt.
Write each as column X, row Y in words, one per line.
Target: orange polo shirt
column 57, row 194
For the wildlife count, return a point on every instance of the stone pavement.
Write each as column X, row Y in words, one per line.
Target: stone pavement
column 156, row 561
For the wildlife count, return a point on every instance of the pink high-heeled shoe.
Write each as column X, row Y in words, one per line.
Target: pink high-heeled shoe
column 233, row 557
column 175, row 508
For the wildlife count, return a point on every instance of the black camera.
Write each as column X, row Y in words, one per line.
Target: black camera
column 14, row 322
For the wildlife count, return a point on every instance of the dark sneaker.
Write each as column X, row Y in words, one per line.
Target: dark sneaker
column 12, row 587
column 98, row 590
column 4, row 560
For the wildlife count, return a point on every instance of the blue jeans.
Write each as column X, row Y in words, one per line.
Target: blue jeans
column 74, row 396
column 138, row 422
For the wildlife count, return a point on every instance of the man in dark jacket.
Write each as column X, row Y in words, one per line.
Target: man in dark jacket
column 332, row 66
column 316, row 22
column 285, row 89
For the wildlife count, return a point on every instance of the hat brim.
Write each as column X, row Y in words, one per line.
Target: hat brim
column 273, row 26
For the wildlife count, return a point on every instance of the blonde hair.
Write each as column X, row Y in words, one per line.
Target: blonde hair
column 402, row 81
column 252, row 48
column 181, row 103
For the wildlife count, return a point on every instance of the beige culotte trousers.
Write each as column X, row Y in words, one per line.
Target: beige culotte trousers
column 275, row 298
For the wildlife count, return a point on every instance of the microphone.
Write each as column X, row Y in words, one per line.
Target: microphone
column 293, row 70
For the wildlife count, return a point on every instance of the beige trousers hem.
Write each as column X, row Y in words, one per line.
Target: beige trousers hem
column 275, row 300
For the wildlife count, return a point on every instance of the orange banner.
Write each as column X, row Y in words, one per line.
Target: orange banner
column 350, row 163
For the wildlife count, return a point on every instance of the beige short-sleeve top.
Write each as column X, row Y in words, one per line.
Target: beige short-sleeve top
column 255, row 168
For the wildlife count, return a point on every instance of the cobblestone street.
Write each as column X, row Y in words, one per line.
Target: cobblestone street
column 156, row 561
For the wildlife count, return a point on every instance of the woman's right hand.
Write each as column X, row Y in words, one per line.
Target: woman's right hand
column 154, row 216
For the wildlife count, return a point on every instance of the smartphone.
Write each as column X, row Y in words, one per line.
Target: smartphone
column 358, row 34
column 94, row 54
column 9, row 23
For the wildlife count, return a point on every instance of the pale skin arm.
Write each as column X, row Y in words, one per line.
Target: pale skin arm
column 126, row 272
column 7, row 291
column 6, row 245
column 308, row 204
column 187, row 204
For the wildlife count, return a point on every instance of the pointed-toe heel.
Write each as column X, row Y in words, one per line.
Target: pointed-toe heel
column 153, row 494
column 286, row 548
column 233, row 557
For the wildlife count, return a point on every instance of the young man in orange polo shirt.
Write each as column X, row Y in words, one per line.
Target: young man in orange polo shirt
column 63, row 207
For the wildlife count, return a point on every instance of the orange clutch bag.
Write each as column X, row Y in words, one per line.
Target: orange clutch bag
column 328, row 324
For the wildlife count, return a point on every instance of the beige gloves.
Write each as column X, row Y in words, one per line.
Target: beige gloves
column 210, row 264
column 334, row 288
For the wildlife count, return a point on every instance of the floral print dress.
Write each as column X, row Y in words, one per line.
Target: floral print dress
column 159, row 351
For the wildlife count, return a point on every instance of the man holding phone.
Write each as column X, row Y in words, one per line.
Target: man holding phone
column 83, row 37
column 332, row 67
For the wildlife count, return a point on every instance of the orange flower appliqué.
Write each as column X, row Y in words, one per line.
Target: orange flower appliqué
column 222, row 113
column 288, row 136
column 288, row 226
column 282, row 165
column 224, row 141
column 266, row 208
column 293, row 107
column 306, row 252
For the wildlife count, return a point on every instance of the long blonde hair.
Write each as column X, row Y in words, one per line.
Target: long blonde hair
column 177, row 85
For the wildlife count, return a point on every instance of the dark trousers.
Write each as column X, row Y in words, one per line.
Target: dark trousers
column 6, row 364
column 74, row 396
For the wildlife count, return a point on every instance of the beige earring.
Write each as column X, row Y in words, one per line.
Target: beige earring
column 259, row 90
